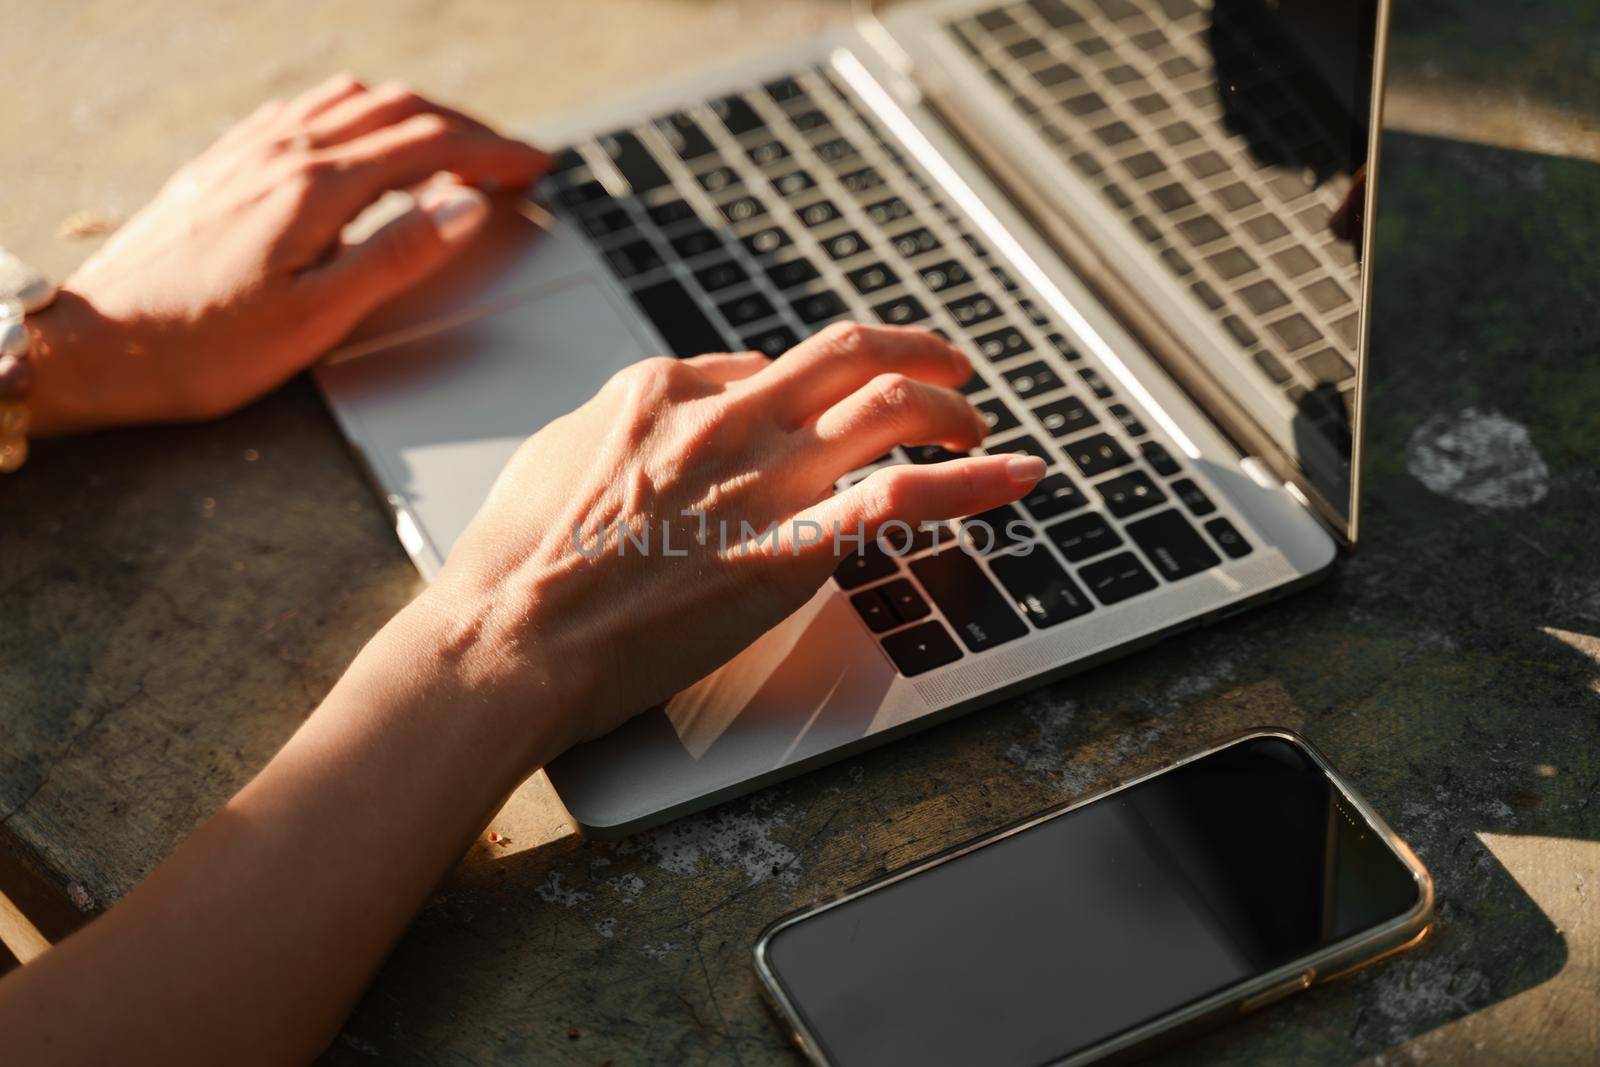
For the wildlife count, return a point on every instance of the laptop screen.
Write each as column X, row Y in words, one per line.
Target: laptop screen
column 1216, row 155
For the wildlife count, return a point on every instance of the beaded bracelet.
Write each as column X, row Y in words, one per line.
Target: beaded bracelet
column 23, row 291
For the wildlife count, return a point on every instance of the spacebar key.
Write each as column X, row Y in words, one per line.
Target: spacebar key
column 977, row 611
column 679, row 319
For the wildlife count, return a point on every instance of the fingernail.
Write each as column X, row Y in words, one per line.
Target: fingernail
column 1024, row 470
column 457, row 213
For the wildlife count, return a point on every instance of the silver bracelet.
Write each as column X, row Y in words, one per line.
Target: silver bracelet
column 23, row 291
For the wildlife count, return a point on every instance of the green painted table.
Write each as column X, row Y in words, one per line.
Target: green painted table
column 175, row 601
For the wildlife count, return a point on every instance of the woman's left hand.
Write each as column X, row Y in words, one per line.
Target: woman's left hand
column 235, row 277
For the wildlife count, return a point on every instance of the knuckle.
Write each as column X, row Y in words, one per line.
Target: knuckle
column 648, row 379
column 885, row 491
column 896, row 391
column 849, row 340
column 427, row 126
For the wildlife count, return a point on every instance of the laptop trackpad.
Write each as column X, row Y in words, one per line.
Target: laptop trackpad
column 439, row 416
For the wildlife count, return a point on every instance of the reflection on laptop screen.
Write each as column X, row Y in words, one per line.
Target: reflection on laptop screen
column 1229, row 140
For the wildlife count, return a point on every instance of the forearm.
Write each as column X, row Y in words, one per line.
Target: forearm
column 251, row 943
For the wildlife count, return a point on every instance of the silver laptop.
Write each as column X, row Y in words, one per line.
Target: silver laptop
column 1143, row 217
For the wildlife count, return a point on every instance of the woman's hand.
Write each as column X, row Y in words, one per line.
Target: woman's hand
column 234, row 277
column 544, row 612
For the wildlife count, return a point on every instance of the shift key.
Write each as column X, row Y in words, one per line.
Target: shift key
column 978, row 612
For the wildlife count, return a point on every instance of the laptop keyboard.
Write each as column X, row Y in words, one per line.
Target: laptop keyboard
column 756, row 219
column 1250, row 242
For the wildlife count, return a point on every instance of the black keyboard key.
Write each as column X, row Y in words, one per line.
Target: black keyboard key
column 884, row 212
column 930, row 453
column 1097, row 454
column 859, row 181
column 871, row 278
column 942, row 276
column 696, row 243
column 1056, row 13
column 1055, row 495
column 997, row 416
column 834, row 150
column 915, row 242
column 844, row 245
column 670, row 213
column 1064, row 348
column 1160, row 459
column 718, row 179
column 790, row 273
column 768, row 153
column 794, row 183
column 981, row 616
column 766, row 242
column 1041, row 588
column 1066, row 416
column 635, row 257
column 995, row 529
column 1240, row 331
column 1097, row 385
column 737, row 114
column 1084, row 536
column 1003, row 343
column 901, row 311
column 819, row 214
column 742, row 209
column 635, row 162
column 685, row 136
column 1129, row 494
column 720, row 276
column 681, row 323
column 1118, row 578
column 874, row 610
column 1172, row 545
column 867, row 565
column 784, row 89
column 565, row 160
column 921, row 649
column 1296, row 331
column 1231, row 540
column 1202, row 230
column 815, row 307
column 606, row 223
column 971, row 310
column 903, row 598
column 582, row 195
column 1129, row 421
column 772, row 343
column 809, row 120
column 1026, row 444
column 1194, row 498
column 743, row 310
column 1032, row 379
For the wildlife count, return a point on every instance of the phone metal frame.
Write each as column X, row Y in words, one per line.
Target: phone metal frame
column 1325, row 965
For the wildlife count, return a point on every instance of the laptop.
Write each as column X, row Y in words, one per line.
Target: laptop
column 1144, row 219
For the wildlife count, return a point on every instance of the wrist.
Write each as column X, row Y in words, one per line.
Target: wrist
column 71, row 390
column 464, row 651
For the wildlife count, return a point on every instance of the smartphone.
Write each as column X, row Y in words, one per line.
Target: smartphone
column 1104, row 928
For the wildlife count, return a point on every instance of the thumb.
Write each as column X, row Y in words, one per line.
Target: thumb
column 400, row 253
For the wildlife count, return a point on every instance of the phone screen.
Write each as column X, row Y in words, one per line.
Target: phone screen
column 1063, row 935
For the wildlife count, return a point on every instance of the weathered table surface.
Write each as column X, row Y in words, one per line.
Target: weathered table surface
column 173, row 602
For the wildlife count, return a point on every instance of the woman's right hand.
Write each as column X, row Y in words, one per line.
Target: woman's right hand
column 720, row 442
